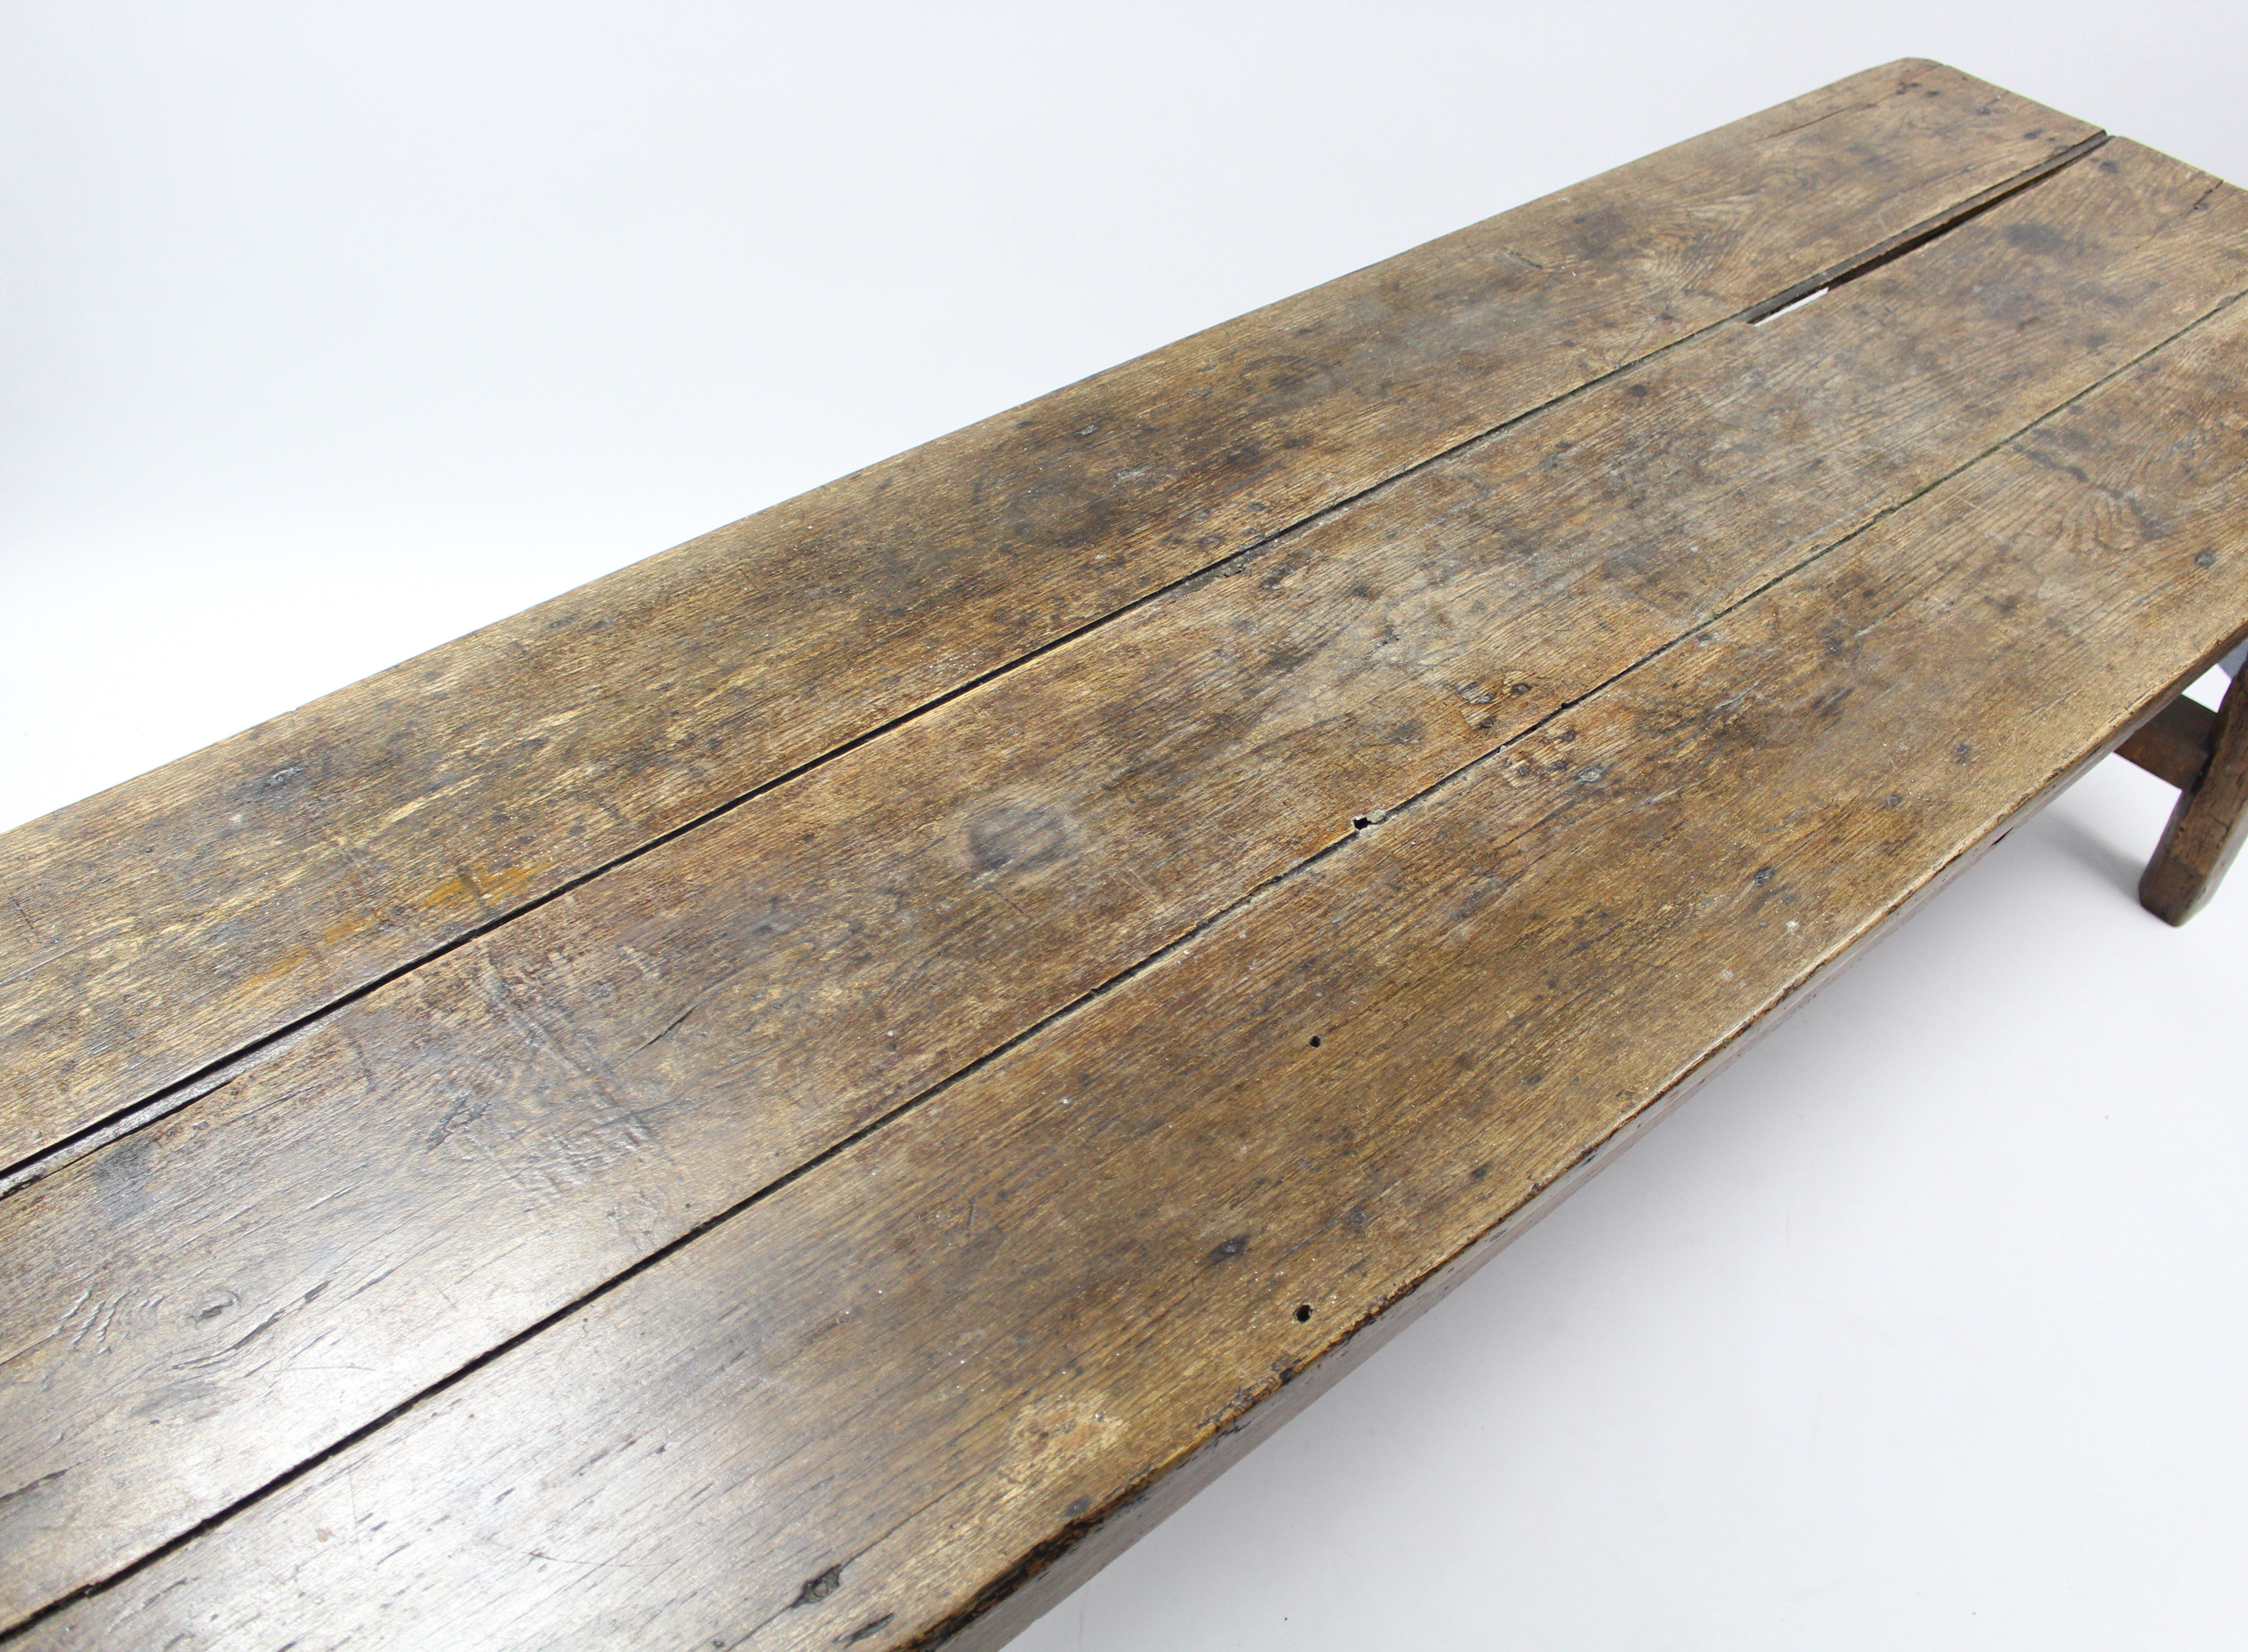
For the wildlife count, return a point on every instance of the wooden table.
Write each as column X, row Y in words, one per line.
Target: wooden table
column 805, row 1092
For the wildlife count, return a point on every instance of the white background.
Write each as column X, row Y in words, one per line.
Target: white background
column 331, row 331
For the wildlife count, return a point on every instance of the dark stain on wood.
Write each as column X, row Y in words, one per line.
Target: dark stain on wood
column 230, row 895
column 949, row 1159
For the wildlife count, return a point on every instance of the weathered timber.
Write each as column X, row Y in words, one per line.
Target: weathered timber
column 2174, row 744
column 467, row 1150
column 878, row 1404
column 163, row 926
column 2206, row 828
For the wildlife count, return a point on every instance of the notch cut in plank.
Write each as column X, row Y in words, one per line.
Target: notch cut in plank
column 672, row 1036
column 172, row 921
column 856, row 1381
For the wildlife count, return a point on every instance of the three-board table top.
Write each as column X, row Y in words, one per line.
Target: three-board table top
column 805, row 1093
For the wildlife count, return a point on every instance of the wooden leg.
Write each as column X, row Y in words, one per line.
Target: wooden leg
column 2211, row 818
column 2174, row 744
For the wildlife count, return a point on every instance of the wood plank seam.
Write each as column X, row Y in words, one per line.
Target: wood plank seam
column 2058, row 780
column 995, row 1612
column 189, row 1088
column 1078, row 1005
column 1990, row 839
column 1911, row 240
column 212, row 1077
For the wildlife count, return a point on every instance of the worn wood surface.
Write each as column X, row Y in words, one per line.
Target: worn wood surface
column 880, row 1399
column 2211, row 818
column 476, row 1146
column 2174, row 744
column 162, row 927
column 845, row 1217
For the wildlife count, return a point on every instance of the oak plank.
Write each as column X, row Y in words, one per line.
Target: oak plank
column 162, row 927
column 877, row 1403
column 471, row 1149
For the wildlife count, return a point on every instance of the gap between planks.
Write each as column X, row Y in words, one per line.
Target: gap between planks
column 1913, row 239
column 208, row 1080
column 1591, row 1159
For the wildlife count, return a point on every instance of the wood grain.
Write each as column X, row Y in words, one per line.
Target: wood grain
column 475, row 1146
column 2207, row 827
column 2174, row 744
column 877, row 1402
column 162, row 927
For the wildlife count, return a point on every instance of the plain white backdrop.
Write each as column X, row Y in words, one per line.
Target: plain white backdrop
column 331, row 331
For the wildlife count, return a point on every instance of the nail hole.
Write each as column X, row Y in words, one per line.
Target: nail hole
column 1358, row 823
column 818, row 1589
column 1315, row 1040
column 1303, row 1313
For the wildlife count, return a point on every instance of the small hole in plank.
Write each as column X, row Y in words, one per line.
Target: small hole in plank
column 1303, row 1313
column 1358, row 823
column 1315, row 1040
column 818, row 1589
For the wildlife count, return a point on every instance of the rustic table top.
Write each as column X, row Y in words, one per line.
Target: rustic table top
column 807, row 1090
